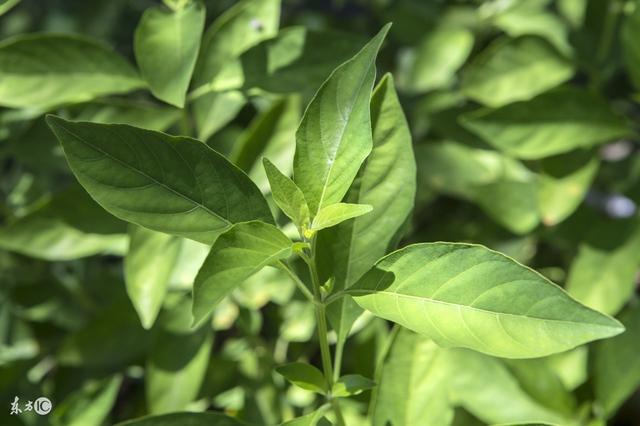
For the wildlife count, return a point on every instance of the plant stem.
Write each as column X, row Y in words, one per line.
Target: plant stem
column 377, row 374
column 303, row 288
column 321, row 323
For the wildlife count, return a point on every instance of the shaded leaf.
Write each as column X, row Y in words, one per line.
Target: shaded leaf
column 304, row 375
column 514, row 70
column 553, row 123
column 351, row 384
column 36, row 70
column 181, row 186
column 166, row 46
column 236, row 255
column 147, row 269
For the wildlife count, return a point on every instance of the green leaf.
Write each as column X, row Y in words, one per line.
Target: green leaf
column 386, row 181
column 334, row 214
column 287, row 195
column 553, row 123
column 90, row 405
column 563, row 181
column 351, row 384
column 514, row 70
column 270, row 135
column 531, row 17
column 70, row 226
column 42, row 71
column 113, row 338
column 334, row 136
column 434, row 62
column 503, row 187
column 236, row 255
column 630, row 35
column 138, row 114
column 616, row 372
column 242, row 26
column 311, row 419
column 166, row 46
column 178, row 360
column 7, row 5
column 185, row 419
column 169, row 184
column 299, row 59
column 603, row 274
column 147, row 269
column 412, row 388
column 304, row 375
column 422, row 383
column 464, row 295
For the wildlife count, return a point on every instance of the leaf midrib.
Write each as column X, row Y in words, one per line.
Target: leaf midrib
column 484, row 311
column 342, row 132
column 130, row 167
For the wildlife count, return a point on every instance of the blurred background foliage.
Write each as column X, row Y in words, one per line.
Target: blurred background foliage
column 524, row 116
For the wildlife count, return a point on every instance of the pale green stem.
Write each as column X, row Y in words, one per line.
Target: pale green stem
column 321, row 322
column 303, row 288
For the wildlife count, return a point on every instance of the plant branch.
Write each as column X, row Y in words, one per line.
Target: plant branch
column 301, row 286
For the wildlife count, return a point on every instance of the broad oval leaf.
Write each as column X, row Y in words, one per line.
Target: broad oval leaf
column 148, row 266
column 70, row 226
column 334, row 136
column 434, row 62
column 465, row 295
column 166, row 46
column 555, row 122
column 514, row 70
column 236, row 255
column 242, row 26
column 45, row 70
column 169, row 184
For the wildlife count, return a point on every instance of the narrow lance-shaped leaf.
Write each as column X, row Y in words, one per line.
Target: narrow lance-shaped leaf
column 555, row 122
column 304, row 375
column 464, row 295
column 334, row 214
column 166, row 45
column 43, row 71
column 334, row 136
column 387, row 182
column 169, row 184
column 147, row 268
column 287, row 195
column 236, row 255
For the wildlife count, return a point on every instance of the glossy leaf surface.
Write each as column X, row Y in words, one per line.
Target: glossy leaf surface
column 334, row 136
column 467, row 296
column 181, row 186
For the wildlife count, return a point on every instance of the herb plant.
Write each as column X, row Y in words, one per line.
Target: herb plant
column 200, row 271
